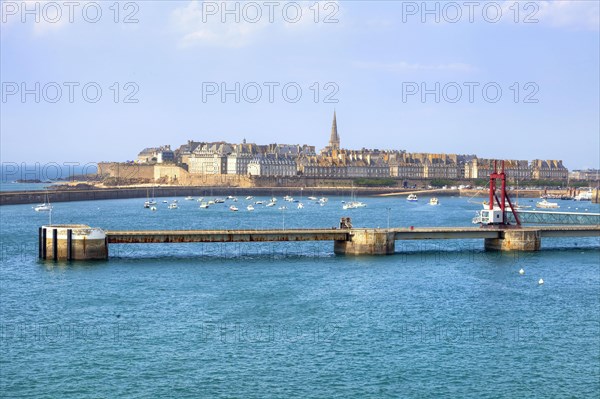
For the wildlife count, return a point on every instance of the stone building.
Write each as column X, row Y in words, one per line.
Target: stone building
column 587, row 174
column 480, row 168
column 548, row 170
column 151, row 155
column 209, row 159
column 272, row 167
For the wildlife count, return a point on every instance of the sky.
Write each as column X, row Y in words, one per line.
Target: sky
column 95, row 81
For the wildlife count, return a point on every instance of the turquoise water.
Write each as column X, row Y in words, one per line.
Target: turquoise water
column 437, row 319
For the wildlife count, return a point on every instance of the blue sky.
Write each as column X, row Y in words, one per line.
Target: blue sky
column 372, row 54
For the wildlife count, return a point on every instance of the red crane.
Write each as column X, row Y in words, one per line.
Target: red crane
column 495, row 175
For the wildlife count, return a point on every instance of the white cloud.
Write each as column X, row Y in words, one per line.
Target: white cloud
column 43, row 15
column 208, row 23
column 578, row 14
column 197, row 28
column 403, row 66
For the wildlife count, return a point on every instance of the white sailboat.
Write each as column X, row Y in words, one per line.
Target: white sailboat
column 45, row 207
column 353, row 203
column 149, row 202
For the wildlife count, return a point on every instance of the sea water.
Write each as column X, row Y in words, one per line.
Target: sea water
column 437, row 319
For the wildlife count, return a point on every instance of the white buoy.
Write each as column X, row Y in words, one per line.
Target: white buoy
column 521, row 272
column 541, row 281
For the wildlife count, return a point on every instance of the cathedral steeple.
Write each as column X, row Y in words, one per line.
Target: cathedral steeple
column 334, row 139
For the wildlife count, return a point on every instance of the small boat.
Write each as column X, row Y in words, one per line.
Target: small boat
column 288, row 198
column 173, row 205
column 547, row 205
column 175, row 201
column 233, row 208
column 249, row 198
column 189, row 198
column 230, row 197
column 201, row 199
column 250, row 208
column 219, row 201
column 354, row 205
column 204, row 205
column 149, row 202
column 273, row 199
column 300, row 205
column 271, row 203
column 412, row 198
column 433, row 201
column 211, row 202
column 587, row 196
column 313, row 198
column 153, row 209
column 282, row 208
column 165, row 202
column 323, row 200
column 259, row 202
column 45, row 207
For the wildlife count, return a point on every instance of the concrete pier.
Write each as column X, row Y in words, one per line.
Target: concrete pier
column 72, row 242
column 515, row 240
column 81, row 242
column 366, row 242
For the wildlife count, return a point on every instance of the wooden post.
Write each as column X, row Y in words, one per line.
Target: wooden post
column 44, row 243
column 69, row 244
column 54, row 244
column 40, row 243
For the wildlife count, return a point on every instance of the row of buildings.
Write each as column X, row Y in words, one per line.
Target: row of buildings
column 280, row 160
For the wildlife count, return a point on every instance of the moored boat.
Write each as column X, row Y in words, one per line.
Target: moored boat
column 45, row 207
column 354, row 205
column 412, row 198
column 547, row 205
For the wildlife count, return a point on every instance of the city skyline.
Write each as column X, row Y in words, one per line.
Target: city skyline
column 390, row 90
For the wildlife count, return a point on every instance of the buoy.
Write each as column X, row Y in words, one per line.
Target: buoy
column 541, row 281
column 521, row 272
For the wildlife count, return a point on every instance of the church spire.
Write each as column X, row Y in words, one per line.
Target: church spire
column 334, row 139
